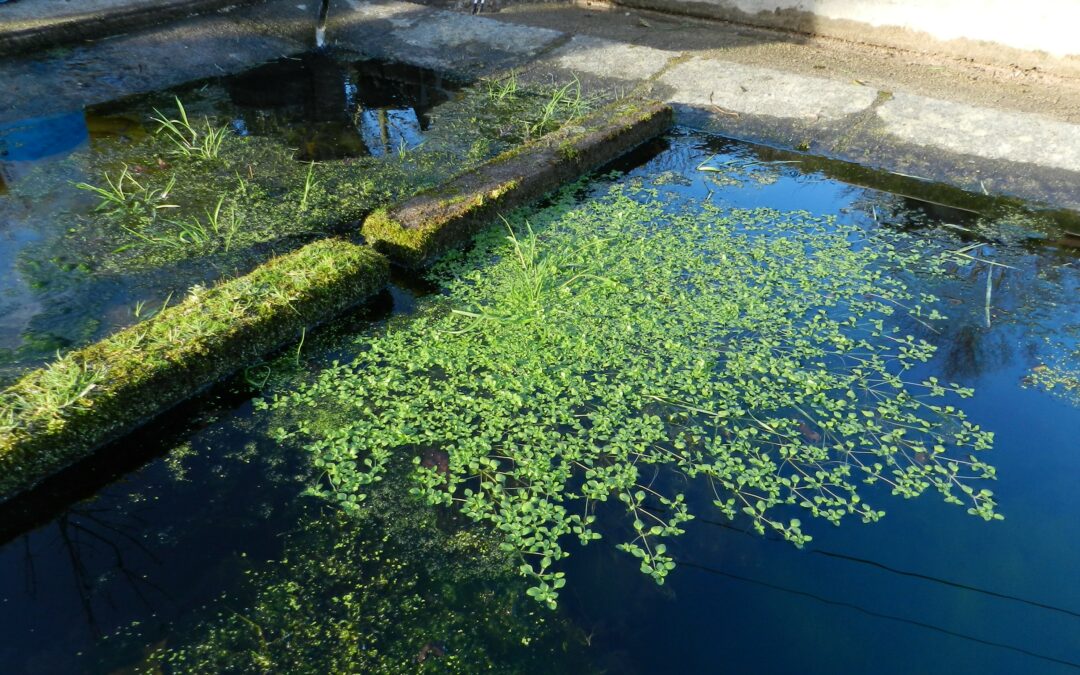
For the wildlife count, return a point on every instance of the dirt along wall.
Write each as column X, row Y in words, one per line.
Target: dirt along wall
column 1036, row 33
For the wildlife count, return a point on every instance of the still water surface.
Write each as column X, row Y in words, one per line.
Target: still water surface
column 928, row 589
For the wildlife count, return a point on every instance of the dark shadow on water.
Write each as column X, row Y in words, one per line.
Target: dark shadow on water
column 875, row 614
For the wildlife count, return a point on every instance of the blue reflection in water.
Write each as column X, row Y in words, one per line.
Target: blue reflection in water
column 922, row 590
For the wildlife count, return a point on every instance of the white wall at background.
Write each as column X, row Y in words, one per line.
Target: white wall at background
column 1052, row 26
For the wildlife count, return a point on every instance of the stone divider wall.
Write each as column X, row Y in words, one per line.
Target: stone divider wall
column 54, row 416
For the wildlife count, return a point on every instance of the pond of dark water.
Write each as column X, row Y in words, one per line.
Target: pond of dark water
column 112, row 561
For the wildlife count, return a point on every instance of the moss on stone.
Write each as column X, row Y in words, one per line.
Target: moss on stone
column 58, row 414
column 426, row 225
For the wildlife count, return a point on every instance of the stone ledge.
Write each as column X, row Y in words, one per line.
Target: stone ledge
column 415, row 232
column 63, row 412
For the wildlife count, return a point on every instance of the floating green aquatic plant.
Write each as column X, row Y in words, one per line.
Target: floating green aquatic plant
column 623, row 349
column 1060, row 377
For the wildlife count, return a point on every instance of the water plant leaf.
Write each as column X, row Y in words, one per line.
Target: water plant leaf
column 625, row 355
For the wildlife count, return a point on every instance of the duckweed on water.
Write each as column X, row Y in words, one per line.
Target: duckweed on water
column 616, row 348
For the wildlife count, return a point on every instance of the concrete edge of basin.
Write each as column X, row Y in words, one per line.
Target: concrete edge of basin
column 418, row 230
column 96, row 25
column 130, row 377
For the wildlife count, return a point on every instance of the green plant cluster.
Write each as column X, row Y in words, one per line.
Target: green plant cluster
column 195, row 188
column 187, row 200
column 625, row 355
column 1061, row 378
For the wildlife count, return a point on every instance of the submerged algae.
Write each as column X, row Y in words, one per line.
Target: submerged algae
column 394, row 588
column 613, row 350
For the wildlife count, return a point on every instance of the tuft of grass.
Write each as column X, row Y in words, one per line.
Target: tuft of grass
column 61, row 386
column 189, row 140
column 563, row 104
column 130, row 199
column 310, row 182
column 501, row 90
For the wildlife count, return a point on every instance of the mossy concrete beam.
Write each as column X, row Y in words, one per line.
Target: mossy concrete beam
column 415, row 232
column 59, row 414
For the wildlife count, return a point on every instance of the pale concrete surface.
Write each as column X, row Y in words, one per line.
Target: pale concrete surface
column 608, row 58
column 982, row 132
column 752, row 90
column 458, row 44
column 1034, row 34
column 1005, row 130
column 1036, row 25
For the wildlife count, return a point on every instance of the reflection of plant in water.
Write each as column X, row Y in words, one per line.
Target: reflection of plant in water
column 1060, row 377
column 1008, row 271
column 391, row 591
column 753, row 350
column 738, row 172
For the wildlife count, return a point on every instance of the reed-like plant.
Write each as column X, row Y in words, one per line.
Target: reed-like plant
column 188, row 139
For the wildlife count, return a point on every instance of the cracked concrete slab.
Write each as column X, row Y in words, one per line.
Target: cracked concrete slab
column 983, row 132
column 792, row 97
column 763, row 91
column 466, row 46
column 597, row 56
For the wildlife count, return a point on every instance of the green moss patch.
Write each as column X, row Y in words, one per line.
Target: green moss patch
column 436, row 220
column 57, row 414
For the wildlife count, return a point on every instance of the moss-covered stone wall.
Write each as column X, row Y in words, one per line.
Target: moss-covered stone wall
column 58, row 414
column 419, row 229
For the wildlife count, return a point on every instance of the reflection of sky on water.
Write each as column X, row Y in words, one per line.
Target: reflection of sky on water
column 25, row 145
column 387, row 131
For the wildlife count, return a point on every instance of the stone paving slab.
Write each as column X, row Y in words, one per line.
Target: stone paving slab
column 42, row 24
column 763, row 91
column 982, row 132
column 608, row 58
column 458, row 44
